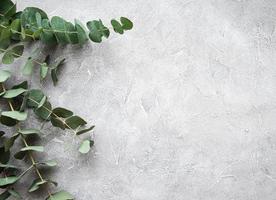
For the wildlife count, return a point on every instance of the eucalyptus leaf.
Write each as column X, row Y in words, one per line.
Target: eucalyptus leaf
column 85, row 130
column 62, row 112
column 126, row 23
column 14, row 93
column 14, row 194
column 85, row 146
column 8, row 180
column 61, row 195
column 4, row 75
column 28, row 67
column 118, row 28
column 33, row 148
column 75, row 122
column 20, row 116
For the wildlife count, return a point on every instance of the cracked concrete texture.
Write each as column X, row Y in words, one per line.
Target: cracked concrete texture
column 184, row 104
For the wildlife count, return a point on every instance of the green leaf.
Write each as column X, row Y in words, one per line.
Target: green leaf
column 47, row 36
column 44, row 111
column 5, row 38
column 126, row 23
column 55, row 67
column 118, row 28
column 36, row 184
column 4, row 75
column 17, row 50
column 82, row 36
column 43, row 71
column 34, row 98
column 7, row 121
column 42, row 102
column 57, row 122
column 5, row 156
column 12, row 53
column 97, row 30
column 85, row 130
column 61, row 195
column 8, row 180
column 8, row 143
column 7, row 9
column 5, row 195
column 64, row 31
column 85, row 146
column 20, row 116
column 15, row 194
column 75, row 121
column 29, row 18
column 8, row 58
column 49, row 163
column 2, row 133
column 33, row 148
column 13, row 93
column 28, row 67
column 23, row 85
column 29, row 131
column 15, row 25
column 62, row 112
column 20, row 155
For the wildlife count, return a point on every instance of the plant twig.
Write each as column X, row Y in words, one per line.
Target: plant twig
column 26, row 145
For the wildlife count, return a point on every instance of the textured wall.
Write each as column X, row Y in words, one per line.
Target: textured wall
column 184, row 105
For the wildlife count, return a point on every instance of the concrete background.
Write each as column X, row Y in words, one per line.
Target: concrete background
column 184, row 104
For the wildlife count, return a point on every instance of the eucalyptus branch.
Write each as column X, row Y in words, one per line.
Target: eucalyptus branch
column 16, row 29
column 26, row 145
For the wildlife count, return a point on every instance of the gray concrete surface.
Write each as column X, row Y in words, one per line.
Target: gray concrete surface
column 184, row 105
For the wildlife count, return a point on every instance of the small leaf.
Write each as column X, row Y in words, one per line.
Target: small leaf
column 57, row 123
column 127, row 24
column 20, row 116
column 8, row 180
column 85, row 130
column 5, row 156
column 34, row 98
column 75, row 121
column 82, row 36
column 8, row 58
column 49, row 163
column 42, row 102
column 17, row 50
column 15, row 194
column 20, row 155
column 23, row 85
column 28, row 67
column 7, row 121
column 61, row 195
column 117, row 26
column 85, row 146
column 44, row 111
column 4, row 75
column 5, row 195
column 33, row 148
column 8, row 143
column 43, row 71
column 62, row 112
column 29, row 131
column 13, row 93
column 36, row 184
